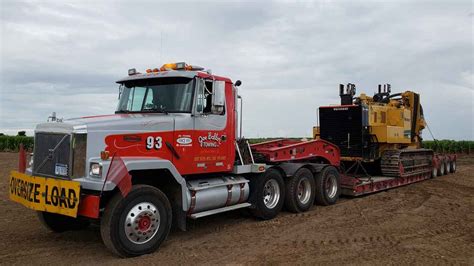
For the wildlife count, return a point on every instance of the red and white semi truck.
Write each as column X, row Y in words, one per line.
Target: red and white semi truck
column 173, row 151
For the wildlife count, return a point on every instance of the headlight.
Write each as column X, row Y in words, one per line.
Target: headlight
column 95, row 170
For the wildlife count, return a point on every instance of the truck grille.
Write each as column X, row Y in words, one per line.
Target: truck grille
column 52, row 150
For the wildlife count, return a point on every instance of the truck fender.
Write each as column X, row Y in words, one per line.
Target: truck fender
column 145, row 163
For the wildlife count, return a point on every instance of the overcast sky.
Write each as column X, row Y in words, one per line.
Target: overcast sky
column 66, row 56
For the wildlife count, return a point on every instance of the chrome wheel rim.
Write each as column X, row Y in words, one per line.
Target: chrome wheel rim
column 453, row 167
column 271, row 193
column 331, row 186
column 441, row 170
column 142, row 223
column 435, row 172
column 304, row 190
column 448, row 167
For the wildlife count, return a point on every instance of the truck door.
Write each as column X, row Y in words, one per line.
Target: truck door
column 211, row 135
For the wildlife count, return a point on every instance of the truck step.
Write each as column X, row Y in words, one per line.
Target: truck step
column 223, row 209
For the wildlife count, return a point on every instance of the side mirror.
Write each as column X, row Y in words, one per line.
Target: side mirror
column 218, row 97
column 238, row 83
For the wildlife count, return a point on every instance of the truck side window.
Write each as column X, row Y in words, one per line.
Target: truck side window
column 204, row 98
column 208, row 97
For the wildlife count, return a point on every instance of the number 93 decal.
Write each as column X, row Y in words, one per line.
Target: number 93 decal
column 153, row 143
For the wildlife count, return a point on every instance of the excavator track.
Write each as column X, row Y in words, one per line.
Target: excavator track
column 406, row 163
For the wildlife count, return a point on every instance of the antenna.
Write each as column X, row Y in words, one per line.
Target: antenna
column 161, row 46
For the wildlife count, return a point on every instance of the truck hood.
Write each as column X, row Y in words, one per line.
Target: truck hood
column 111, row 123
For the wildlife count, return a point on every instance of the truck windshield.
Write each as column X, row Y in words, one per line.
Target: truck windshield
column 164, row 95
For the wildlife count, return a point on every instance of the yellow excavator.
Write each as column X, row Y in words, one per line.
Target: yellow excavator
column 382, row 132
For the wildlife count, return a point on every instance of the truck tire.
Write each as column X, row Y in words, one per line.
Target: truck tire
column 59, row 223
column 267, row 192
column 328, row 186
column 300, row 190
column 137, row 224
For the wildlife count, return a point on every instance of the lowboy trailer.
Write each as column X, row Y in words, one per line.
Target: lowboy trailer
column 173, row 151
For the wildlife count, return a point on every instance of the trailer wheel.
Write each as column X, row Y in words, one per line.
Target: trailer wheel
column 448, row 167
column 328, row 186
column 453, row 166
column 442, row 168
column 434, row 172
column 267, row 194
column 59, row 223
column 300, row 190
column 137, row 224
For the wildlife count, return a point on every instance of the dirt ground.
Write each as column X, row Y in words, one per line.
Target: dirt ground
column 430, row 222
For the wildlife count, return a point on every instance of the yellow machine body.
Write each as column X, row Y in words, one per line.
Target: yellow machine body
column 391, row 123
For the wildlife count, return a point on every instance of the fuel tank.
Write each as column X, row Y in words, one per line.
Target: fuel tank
column 213, row 193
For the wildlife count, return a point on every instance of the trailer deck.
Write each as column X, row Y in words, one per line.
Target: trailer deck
column 357, row 186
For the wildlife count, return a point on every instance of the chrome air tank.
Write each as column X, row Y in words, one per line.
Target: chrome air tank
column 213, row 193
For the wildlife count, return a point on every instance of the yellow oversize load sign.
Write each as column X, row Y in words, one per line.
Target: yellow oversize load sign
column 45, row 194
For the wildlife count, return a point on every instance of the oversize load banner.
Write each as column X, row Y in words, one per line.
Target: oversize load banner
column 45, row 194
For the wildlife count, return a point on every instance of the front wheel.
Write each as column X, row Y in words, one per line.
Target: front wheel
column 267, row 194
column 328, row 186
column 137, row 224
column 59, row 223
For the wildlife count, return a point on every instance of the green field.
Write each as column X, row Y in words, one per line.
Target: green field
column 12, row 143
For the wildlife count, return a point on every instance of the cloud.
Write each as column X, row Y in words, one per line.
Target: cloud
column 65, row 56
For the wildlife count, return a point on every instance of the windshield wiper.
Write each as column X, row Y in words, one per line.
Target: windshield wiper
column 122, row 112
column 160, row 109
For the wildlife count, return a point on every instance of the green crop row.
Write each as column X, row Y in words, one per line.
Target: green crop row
column 462, row 146
column 12, row 143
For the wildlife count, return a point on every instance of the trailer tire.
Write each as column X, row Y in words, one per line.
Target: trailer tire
column 434, row 172
column 267, row 194
column 148, row 209
column 441, row 168
column 328, row 186
column 59, row 223
column 453, row 166
column 448, row 167
column 300, row 191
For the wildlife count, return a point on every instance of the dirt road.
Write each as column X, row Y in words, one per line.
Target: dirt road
column 431, row 222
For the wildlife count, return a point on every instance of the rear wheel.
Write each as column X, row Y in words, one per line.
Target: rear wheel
column 137, row 224
column 60, row 223
column 328, row 186
column 267, row 194
column 300, row 190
